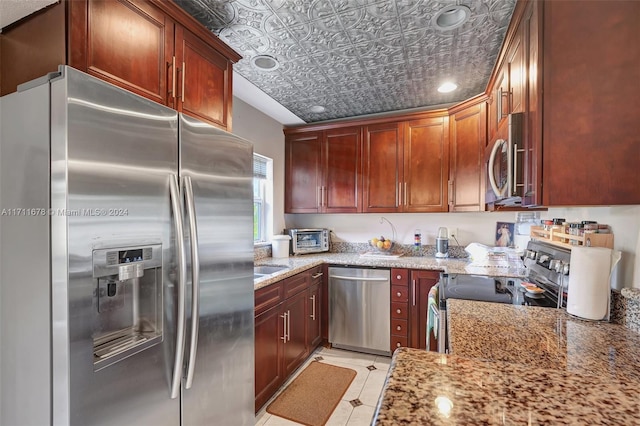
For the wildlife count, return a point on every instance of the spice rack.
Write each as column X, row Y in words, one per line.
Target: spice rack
column 561, row 239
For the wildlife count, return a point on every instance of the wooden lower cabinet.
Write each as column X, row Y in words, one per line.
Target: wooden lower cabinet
column 286, row 331
column 409, row 305
column 421, row 283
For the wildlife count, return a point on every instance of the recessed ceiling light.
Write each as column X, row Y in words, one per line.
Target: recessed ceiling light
column 447, row 87
column 451, row 17
column 317, row 109
column 265, row 62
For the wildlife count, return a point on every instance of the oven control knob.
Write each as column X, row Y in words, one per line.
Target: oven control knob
column 531, row 254
column 565, row 269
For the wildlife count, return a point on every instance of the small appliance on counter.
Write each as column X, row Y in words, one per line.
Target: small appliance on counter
column 280, row 245
column 442, row 243
column 310, row 240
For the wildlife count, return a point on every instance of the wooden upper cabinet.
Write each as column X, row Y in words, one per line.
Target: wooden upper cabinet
column 426, row 165
column 203, row 80
column 302, row 173
column 517, row 72
column 341, row 170
column 127, row 43
column 382, row 167
column 466, row 172
column 140, row 45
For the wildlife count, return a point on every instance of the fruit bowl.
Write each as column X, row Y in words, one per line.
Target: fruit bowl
column 382, row 244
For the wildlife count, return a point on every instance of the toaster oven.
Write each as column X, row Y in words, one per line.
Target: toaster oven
column 311, row 240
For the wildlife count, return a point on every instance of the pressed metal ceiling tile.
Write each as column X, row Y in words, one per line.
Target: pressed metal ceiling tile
column 358, row 57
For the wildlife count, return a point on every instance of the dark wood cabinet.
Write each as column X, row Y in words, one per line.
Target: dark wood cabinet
column 295, row 348
column 382, row 168
column 426, row 165
column 288, row 318
column 314, row 310
column 421, row 284
column 302, row 173
column 399, row 309
column 467, row 144
column 323, row 171
column 204, row 81
column 152, row 48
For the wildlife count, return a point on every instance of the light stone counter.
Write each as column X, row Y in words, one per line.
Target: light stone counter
column 300, row 263
column 517, row 365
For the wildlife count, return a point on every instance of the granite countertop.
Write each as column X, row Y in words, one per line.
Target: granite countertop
column 298, row 264
column 517, row 365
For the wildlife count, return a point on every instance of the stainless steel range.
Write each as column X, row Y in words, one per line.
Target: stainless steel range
column 546, row 266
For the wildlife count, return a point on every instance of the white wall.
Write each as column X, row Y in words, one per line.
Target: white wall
column 268, row 140
column 478, row 227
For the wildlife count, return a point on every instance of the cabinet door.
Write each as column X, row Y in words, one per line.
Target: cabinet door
column 314, row 316
column 203, row 80
column 421, row 283
column 501, row 95
column 426, row 165
column 382, row 168
column 126, row 42
column 295, row 346
column 341, row 165
column 533, row 119
column 466, row 174
column 302, row 173
column 517, row 72
column 269, row 331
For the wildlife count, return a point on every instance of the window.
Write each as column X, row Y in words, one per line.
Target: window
column 262, row 196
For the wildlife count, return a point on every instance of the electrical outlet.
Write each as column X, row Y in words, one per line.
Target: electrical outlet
column 453, row 232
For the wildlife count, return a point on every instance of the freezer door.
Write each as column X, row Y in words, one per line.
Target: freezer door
column 112, row 156
column 218, row 166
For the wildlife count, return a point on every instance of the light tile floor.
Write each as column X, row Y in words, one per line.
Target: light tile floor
column 359, row 402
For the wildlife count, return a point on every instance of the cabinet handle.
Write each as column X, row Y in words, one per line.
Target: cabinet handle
column 284, row 327
column 398, row 294
column 405, row 193
column 398, row 345
column 184, row 73
column 414, row 292
column 288, row 326
column 399, row 196
column 398, row 311
column 173, row 79
column 450, row 192
column 399, row 328
column 318, row 192
column 313, row 307
column 318, row 275
column 514, row 185
column 398, row 277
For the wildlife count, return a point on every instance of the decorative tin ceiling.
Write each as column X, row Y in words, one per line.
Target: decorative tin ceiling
column 357, row 57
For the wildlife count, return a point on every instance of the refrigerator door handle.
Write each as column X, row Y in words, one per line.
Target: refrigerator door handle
column 195, row 278
column 176, row 379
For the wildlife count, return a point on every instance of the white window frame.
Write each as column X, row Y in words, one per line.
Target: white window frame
column 263, row 195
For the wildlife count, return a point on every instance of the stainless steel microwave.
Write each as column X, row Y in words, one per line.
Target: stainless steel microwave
column 505, row 167
column 311, row 240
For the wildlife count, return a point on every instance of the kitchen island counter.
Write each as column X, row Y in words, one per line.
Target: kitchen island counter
column 517, row 365
column 298, row 264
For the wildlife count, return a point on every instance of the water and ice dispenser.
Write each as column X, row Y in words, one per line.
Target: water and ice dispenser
column 127, row 302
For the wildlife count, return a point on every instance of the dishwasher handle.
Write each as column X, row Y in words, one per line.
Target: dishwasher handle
column 340, row 277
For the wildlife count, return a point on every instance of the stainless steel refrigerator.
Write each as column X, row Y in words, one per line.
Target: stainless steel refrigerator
column 126, row 273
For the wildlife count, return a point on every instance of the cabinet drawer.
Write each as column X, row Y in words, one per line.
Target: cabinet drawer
column 268, row 297
column 399, row 327
column 399, row 310
column 400, row 277
column 399, row 294
column 296, row 284
column 398, row 341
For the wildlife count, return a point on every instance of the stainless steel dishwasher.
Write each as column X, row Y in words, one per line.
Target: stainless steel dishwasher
column 359, row 313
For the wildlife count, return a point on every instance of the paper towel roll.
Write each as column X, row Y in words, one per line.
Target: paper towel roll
column 589, row 290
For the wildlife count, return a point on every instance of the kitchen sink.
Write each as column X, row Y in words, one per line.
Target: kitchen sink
column 259, row 271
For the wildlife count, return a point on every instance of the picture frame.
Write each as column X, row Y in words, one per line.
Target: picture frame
column 504, row 234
